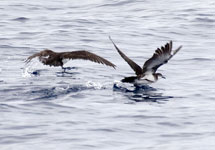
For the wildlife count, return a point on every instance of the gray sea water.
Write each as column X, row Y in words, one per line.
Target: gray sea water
column 88, row 108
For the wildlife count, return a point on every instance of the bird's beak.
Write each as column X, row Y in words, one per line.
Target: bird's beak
column 163, row 77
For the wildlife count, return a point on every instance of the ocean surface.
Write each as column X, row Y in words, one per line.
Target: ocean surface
column 88, row 108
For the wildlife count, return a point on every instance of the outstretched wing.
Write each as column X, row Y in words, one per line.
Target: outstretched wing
column 161, row 56
column 85, row 55
column 32, row 56
column 137, row 69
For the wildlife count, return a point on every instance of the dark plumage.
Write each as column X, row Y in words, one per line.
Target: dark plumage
column 148, row 74
column 51, row 58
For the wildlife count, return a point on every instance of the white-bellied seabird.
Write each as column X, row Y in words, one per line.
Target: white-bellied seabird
column 51, row 58
column 147, row 74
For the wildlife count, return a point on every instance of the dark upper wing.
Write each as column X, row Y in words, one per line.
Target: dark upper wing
column 137, row 69
column 86, row 56
column 160, row 57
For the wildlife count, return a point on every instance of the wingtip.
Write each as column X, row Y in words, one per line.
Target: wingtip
column 112, row 65
column 114, row 44
column 111, row 39
column 178, row 49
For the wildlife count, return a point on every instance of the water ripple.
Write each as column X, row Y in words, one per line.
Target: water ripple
column 21, row 19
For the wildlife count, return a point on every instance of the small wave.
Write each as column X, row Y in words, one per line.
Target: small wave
column 4, row 107
column 21, row 19
column 201, row 59
column 205, row 14
column 84, row 21
column 54, row 8
column 13, row 47
column 128, row 2
column 204, row 20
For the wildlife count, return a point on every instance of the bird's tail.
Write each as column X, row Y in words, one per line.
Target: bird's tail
column 129, row 79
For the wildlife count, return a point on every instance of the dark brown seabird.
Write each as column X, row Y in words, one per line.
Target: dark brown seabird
column 147, row 74
column 51, row 58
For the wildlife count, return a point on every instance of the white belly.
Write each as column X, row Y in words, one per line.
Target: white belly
column 147, row 79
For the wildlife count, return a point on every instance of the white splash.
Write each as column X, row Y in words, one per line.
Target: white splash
column 91, row 84
column 29, row 69
column 26, row 73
